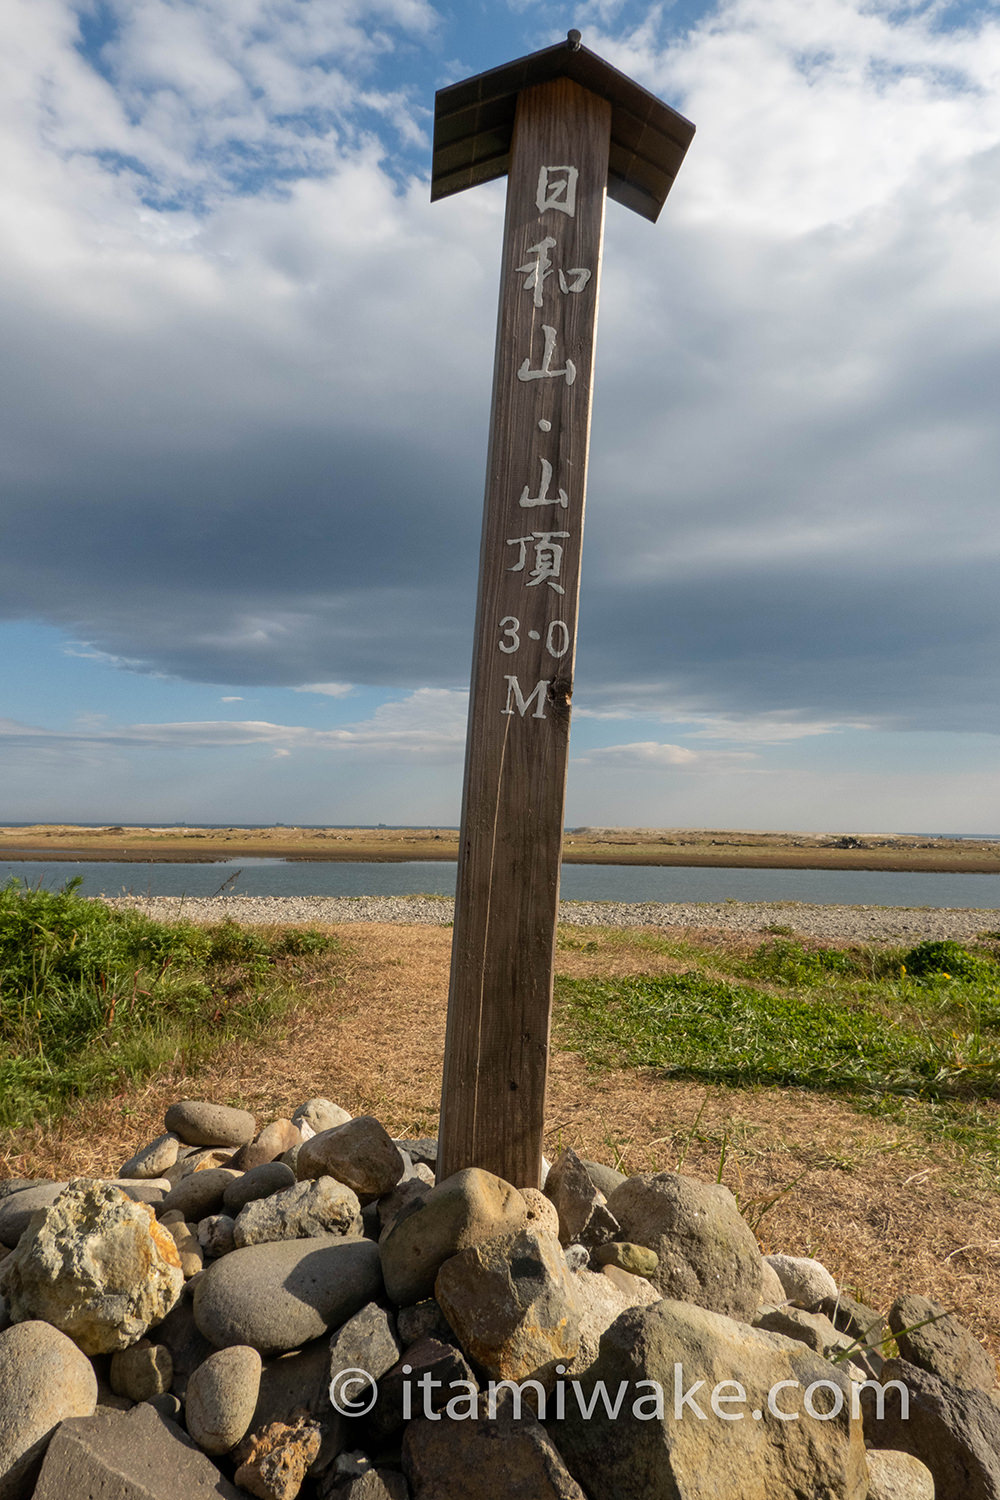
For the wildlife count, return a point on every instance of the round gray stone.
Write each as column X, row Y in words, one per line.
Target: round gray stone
column 706, row 1252
column 221, row 1398
column 279, row 1296
column 200, row 1123
column 154, row 1159
column 44, row 1379
column 199, row 1194
column 603, row 1177
column 318, row 1115
column 258, row 1182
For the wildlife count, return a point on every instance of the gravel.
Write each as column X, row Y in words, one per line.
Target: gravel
column 868, row 924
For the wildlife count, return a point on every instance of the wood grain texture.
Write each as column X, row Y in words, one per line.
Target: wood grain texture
column 500, row 1000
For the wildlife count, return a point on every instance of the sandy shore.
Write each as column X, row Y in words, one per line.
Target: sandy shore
column 734, row 849
column 862, row 924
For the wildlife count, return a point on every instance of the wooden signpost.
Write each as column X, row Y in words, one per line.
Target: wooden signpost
column 566, row 129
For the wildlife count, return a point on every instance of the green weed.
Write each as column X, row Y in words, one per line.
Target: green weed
column 91, row 998
column 911, row 1034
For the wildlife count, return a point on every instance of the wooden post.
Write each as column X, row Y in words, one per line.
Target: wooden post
column 515, row 775
column 496, row 1056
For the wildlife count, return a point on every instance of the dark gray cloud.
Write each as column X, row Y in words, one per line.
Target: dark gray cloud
column 249, row 448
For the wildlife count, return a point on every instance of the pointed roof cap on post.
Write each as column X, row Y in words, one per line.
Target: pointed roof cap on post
column 474, row 123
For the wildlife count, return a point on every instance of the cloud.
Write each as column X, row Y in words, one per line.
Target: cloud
column 428, row 724
column 327, row 689
column 247, row 363
column 645, row 701
column 649, row 755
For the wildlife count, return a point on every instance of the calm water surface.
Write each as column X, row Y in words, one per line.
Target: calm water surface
column 276, row 877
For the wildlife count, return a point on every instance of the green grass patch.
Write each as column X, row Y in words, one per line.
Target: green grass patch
column 91, row 999
column 912, row 1034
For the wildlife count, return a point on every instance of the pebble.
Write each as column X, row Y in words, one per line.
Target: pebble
column 863, row 924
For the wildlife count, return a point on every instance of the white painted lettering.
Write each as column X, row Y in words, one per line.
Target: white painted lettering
column 557, row 189
column 510, row 626
column 546, row 372
column 523, row 704
column 543, row 497
column 548, row 558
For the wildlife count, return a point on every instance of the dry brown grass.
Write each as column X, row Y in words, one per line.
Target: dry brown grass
column 886, row 1211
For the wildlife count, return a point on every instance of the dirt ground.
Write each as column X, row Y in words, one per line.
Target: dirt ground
column 883, row 1209
column 732, row 849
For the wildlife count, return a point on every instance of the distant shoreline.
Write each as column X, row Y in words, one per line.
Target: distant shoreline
column 690, row 848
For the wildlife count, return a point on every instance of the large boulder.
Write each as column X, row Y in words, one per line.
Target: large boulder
column 600, row 1302
column 279, row 1296
column 307, row 1209
column 955, row 1432
column 508, row 1446
column 465, row 1209
column 18, row 1209
column 129, row 1455
column 96, row 1265
column 43, row 1380
column 512, row 1304
column 679, row 1394
column 359, row 1153
column 932, row 1338
column 707, row 1253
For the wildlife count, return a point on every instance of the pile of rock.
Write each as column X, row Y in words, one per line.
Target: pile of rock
column 303, row 1311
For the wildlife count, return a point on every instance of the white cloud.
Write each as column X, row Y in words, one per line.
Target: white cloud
column 428, row 724
column 650, row 755
column 327, row 689
column 653, row 703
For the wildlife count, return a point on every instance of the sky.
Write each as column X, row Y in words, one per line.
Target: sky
column 246, row 369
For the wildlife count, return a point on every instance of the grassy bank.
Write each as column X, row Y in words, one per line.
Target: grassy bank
column 912, row 1034
column 92, row 999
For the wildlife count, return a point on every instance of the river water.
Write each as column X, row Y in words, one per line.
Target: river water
column 277, row 877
